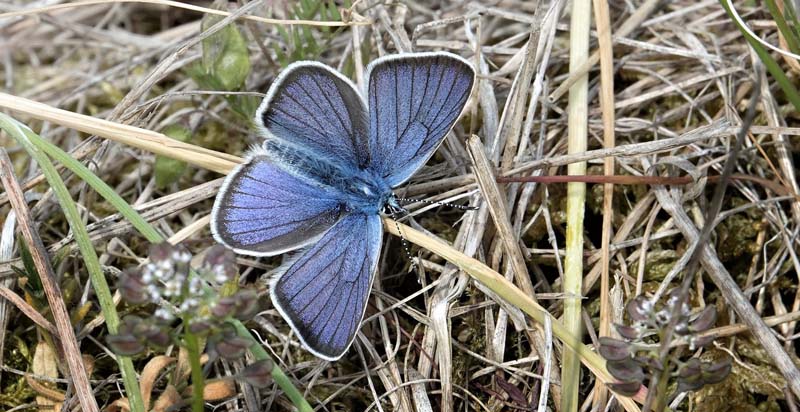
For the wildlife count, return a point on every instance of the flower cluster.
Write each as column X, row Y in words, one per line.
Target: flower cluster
column 193, row 297
column 632, row 359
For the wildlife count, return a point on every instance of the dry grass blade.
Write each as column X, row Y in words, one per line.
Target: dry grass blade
column 577, row 142
column 603, row 23
column 85, row 3
column 642, row 12
column 134, row 136
column 66, row 334
column 28, row 310
column 496, row 203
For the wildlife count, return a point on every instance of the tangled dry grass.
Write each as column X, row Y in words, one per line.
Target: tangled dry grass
column 434, row 338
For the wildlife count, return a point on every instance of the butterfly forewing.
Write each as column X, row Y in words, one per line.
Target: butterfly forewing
column 317, row 109
column 323, row 294
column 414, row 101
column 263, row 209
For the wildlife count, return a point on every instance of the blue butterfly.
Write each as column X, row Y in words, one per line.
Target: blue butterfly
column 324, row 175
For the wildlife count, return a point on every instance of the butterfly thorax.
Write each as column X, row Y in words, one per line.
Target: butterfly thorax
column 365, row 192
column 360, row 189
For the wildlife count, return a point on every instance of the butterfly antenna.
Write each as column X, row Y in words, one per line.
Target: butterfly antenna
column 393, row 214
column 428, row 202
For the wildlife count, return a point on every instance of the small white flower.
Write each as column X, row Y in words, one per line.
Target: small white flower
column 154, row 293
column 220, row 278
column 163, row 313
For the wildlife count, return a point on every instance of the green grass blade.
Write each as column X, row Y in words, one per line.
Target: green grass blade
column 772, row 66
column 25, row 137
column 791, row 17
column 101, row 188
column 791, row 37
column 138, row 222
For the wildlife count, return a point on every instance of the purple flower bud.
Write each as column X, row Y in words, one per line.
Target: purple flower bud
column 199, row 326
column 649, row 361
column 690, row 376
column 682, row 328
column 614, row 349
column 232, row 348
column 157, row 337
column 717, row 371
column 132, row 287
column 692, row 368
column 700, row 341
column 628, row 332
column 692, row 383
column 704, row 320
column 125, row 345
column 625, row 388
column 626, row 370
column 258, row 374
column 246, row 304
column 639, row 309
column 224, row 307
column 161, row 251
column 227, row 343
column 220, row 259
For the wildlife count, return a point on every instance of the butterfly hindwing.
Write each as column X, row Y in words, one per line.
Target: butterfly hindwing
column 414, row 100
column 323, row 293
column 317, row 109
column 264, row 209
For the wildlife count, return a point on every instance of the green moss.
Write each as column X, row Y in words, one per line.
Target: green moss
column 659, row 263
column 737, row 236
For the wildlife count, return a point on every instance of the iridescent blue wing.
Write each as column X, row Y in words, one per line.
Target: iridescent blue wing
column 265, row 209
column 414, row 100
column 317, row 109
column 323, row 293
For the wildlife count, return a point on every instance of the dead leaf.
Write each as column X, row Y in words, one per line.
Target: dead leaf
column 150, row 374
column 216, row 390
column 119, row 405
column 168, row 399
column 45, row 363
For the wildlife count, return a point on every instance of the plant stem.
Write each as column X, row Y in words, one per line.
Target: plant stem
column 661, row 391
column 198, row 381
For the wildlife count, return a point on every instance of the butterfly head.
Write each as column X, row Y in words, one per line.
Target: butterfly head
column 393, row 208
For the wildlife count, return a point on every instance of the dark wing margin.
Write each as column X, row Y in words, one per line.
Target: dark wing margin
column 323, row 293
column 414, row 101
column 312, row 106
column 262, row 209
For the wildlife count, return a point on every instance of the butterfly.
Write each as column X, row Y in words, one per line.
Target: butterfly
column 324, row 175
